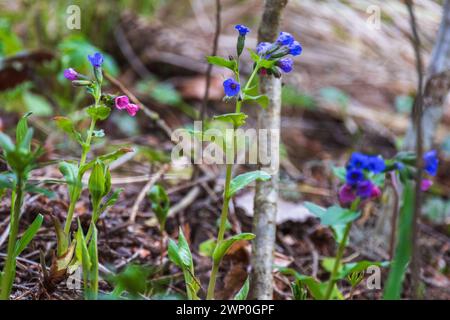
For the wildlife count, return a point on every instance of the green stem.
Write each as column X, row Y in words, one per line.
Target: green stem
column 224, row 214
column 340, row 253
column 85, row 151
column 9, row 271
column 337, row 261
column 220, row 235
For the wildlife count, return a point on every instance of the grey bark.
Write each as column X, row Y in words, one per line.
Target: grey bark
column 266, row 193
column 437, row 85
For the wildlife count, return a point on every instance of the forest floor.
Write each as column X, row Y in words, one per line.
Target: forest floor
column 314, row 138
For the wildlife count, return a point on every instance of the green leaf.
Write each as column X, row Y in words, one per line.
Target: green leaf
column 237, row 119
column 262, row 100
column 291, row 96
column 315, row 287
column 32, row 188
column 403, row 249
column 340, row 173
column 315, row 209
column 206, row 248
column 172, row 251
column 298, row 290
column 160, row 204
column 359, row 266
column 267, row 64
column 6, row 143
column 22, row 128
column 70, row 173
column 28, row 235
column 378, row 179
column 222, row 248
column 62, row 239
column 253, row 55
column 222, row 62
column 181, row 256
column 338, row 232
column 184, row 251
column 66, row 125
column 334, row 215
column 93, row 274
column 97, row 184
column 243, row 180
column 112, row 199
column 37, row 104
column 98, row 113
column 243, row 292
column 106, row 159
column 7, row 180
column 25, row 143
column 81, row 247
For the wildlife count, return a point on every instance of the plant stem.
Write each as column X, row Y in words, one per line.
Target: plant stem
column 10, row 263
column 86, row 149
column 224, row 214
column 220, row 235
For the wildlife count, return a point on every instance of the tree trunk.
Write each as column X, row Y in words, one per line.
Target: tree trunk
column 436, row 87
column 266, row 194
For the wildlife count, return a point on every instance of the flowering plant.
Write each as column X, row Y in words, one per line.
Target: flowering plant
column 99, row 183
column 362, row 178
column 269, row 59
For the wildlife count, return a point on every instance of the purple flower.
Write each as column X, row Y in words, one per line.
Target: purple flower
column 285, row 39
column 376, row 192
column 431, row 162
column 132, row 109
column 364, row 189
column 295, row 48
column 96, row 59
column 231, row 87
column 426, row 184
column 121, row 102
column 70, row 74
column 285, row 64
column 243, row 30
column 346, row 194
column 354, row 176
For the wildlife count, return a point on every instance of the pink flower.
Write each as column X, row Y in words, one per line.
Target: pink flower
column 376, row 192
column 70, row 74
column 346, row 194
column 426, row 184
column 122, row 102
column 132, row 109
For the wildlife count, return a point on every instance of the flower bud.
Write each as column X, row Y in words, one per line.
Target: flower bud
column 70, row 74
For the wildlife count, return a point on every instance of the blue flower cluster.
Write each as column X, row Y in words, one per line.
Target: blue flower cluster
column 284, row 45
column 359, row 162
column 357, row 183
